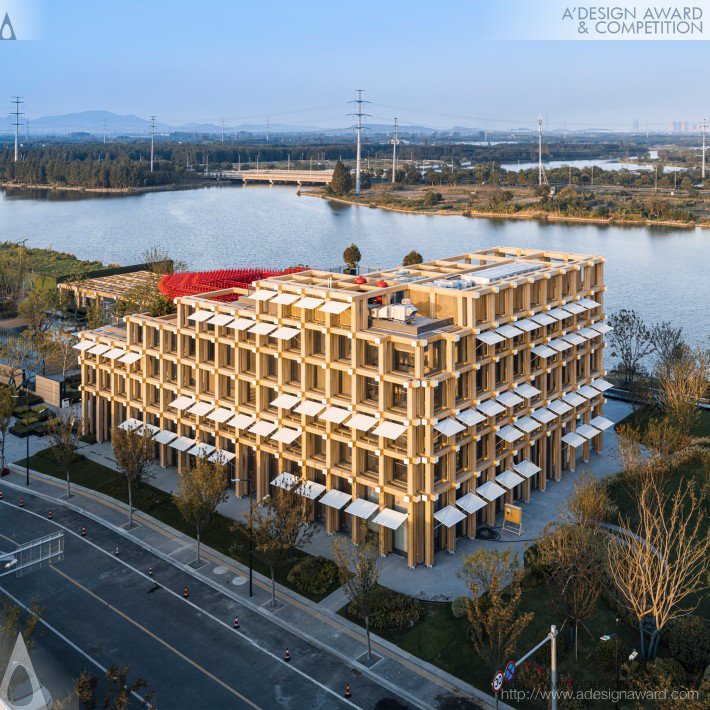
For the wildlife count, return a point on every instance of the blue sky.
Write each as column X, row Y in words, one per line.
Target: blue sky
column 300, row 62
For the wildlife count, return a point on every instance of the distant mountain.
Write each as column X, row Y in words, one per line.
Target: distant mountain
column 93, row 122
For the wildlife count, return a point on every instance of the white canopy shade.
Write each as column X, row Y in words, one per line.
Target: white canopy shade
column 285, row 333
column 200, row 316
column 308, row 303
column 310, row 408
column 574, row 399
column 182, row 402
column 262, row 295
column 559, row 345
column 588, row 333
column 526, row 468
column 130, row 358
column 471, row 503
column 509, row 433
column 131, row 424
column 362, row 422
column 391, row 519
column 601, row 385
column 573, row 439
column 527, row 324
column 559, row 313
column 200, row 409
column 242, row 421
column 449, row 516
column 542, row 351
column 490, row 408
column 241, row 323
column 449, row 427
column 182, row 443
column 509, row 331
column 588, row 392
column 263, row 328
column 220, row 319
column 83, row 345
column 164, row 436
column 336, row 415
column 151, row 428
column 527, row 424
column 559, row 407
column 527, row 390
column 286, row 299
column 601, row 327
column 334, row 307
column 509, row 479
column 220, row 415
column 99, row 349
column 508, row 399
column 545, row 416
column 286, row 435
column 263, row 428
column 285, row 480
column 588, row 303
column 490, row 491
column 114, row 353
column 361, row 508
column 574, row 339
column 490, row 337
column 310, row 489
column 286, row 401
column 390, row 430
column 574, row 308
column 601, row 423
column 587, row 431
column 202, row 450
column 543, row 319
column 221, row 456
column 335, row 498
column 471, row 417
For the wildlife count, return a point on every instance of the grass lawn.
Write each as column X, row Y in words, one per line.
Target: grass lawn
column 641, row 417
column 224, row 535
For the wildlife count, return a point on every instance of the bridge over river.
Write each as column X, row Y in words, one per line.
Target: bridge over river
column 299, row 177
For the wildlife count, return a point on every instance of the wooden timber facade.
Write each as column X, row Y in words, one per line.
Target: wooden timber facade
column 423, row 424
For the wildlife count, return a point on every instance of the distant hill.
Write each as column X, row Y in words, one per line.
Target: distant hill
column 93, row 122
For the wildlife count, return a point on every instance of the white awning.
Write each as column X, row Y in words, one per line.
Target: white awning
column 362, row 422
column 449, row 427
column 490, row 337
column 241, row 323
column 574, row 399
column 221, row 319
column 220, row 415
column 471, row 503
column 601, row 385
column 286, row 435
column 588, row 333
column 574, row 339
column 543, row 319
column 200, row 409
column 99, row 349
column 221, row 456
column 490, row 408
column 285, row 401
column 509, row 331
column 84, row 345
column 527, row 390
column 263, row 428
column 182, row 443
column 509, row 433
column 150, row 428
column 559, row 313
column 286, row 299
column 574, row 308
column 310, row 489
column 543, row 415
column 601, row 327
column 526, row 468
column 334, row 307
column 202, row 450
column 130, row 358
column 526, row 324
column 391, row 519
column 471, row 417
column 490, row 491
column 508, row 399
column 587, row 431
column 285, row 480
column 335, row 415
column 449, row 516
column 559, row 345
column 263, row 328
column 285, row 333
column 542, row 351
column 262, row 295
column 308, row 303
column 335, row 499
column 573, row 439
column 242, row 421
column 509, row 479
column 601, row 423
column 527, row 424
column 199, row 316
column 390, row 430
column 164, row 436
column 588, row 392
column 182, row 402
column 361, row 508
column 130, row 424
column 114, row 353
column 588, row 303
column 559, row 407
column 310, row 408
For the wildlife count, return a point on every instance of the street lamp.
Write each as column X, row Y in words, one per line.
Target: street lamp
column 251, row 531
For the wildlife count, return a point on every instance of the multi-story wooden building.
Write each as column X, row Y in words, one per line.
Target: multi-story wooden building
column 420, row 399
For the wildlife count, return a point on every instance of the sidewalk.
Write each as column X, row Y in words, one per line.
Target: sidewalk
column 419, row 682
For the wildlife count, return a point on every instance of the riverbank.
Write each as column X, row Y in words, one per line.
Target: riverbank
column 102, row 190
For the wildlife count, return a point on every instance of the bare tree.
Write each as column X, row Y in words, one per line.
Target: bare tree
column 20, row 354
column 667, row 340
column 62, row 435
column 7, row 407
column 57, row 349
column 630, row 341
column 278, row 527
column 664, row 562
column 120, row 690
column 200, row 489
column 135, row 456
column 38, row 309
column 589, row 503
column 359, row 572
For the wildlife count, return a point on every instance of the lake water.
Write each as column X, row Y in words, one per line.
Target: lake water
column 662, row 273
column 581, row 164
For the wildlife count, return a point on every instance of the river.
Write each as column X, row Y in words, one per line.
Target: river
column 661, row 272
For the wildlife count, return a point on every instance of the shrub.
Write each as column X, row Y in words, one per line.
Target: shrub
column 313, row 574
column 392, row 610
column 689, row 643
column 661, row 674
column 459, row 607
column 605, row 654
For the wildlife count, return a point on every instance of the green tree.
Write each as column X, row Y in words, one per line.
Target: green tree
column 414, row 257
column 342, row 181
column 7, row 407
column 352, row 257
column 62, row 435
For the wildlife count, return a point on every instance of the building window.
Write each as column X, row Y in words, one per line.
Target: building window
column 402, row 360
column 371, row 355
column 372, row 390
column 432, row 358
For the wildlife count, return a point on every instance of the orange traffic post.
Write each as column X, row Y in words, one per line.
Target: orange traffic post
column 287, row 657
column 347, row 690
column 83, row 532
column 236, row 622
column 22, row 502
column 49, row 514
column 184, row 593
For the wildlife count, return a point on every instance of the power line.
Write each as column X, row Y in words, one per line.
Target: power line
column 395, row 141
column 17, row 100
column 357, row 103
column 704, row 127
column 152, row 140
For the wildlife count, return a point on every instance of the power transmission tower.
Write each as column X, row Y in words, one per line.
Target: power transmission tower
column 152, row 140
column 104, row 131
column 395, row 142
column 222, row 130
column 267, row 130
column 541, row 177
column 704, row 127
column 357, row 103
column 17, row 100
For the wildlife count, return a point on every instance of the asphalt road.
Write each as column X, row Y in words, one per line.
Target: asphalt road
column 186, row 649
